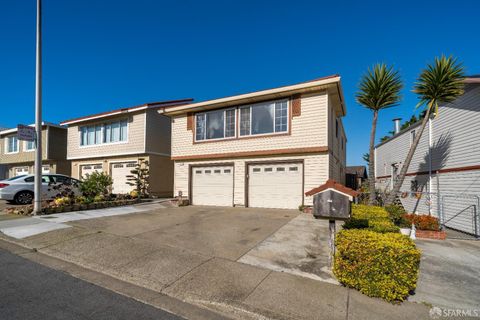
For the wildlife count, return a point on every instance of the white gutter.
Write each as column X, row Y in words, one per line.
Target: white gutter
column 281, row 90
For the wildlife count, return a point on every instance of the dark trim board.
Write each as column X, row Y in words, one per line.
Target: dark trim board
column 198, row 165
column 247, row 170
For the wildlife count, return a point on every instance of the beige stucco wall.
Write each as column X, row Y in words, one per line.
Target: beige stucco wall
column 57, row 143
column 158, row 133
column 315, row 173
column 161, row 176
column 307, row 130
column 135, row 143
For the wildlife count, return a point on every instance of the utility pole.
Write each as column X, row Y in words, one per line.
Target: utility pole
column 38, row 114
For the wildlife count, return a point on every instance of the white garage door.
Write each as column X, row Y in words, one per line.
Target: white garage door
column 275, row 185
column 89, row 169
column 212, row 186
column 120, row 171
column 20, row 171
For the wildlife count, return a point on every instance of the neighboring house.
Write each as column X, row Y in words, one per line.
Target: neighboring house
column 443, row 178
column 355, row 177
column 18, row 157
column 260, row 149
column 114, row 142
column 3, row 168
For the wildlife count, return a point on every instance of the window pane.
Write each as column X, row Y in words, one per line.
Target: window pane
column 244, row 121
column 200, row 127
column 262, row 118
column 230, row 123
column 281, row 116
column 108, row 133
column 123, row 130
column 30, row 145
column 115, row 132
column 91, row 135
column 98, row 134
column 215, row 124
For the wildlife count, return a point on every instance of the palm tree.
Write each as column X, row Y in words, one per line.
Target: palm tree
column 379, row 89
column 440, row 82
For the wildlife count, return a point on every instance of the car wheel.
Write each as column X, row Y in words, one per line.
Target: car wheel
column 24, row 197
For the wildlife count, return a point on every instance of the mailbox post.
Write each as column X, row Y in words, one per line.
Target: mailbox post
column 332, row 201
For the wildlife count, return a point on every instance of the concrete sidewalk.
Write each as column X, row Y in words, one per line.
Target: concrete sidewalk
column 151, row 250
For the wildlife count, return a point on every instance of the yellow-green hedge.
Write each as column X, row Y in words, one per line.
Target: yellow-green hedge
column 370, row 217
column 383, row 265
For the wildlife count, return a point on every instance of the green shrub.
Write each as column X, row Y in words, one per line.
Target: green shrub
column 378, row 265
column 370, row 217
column 395, row 212
column 95, row 184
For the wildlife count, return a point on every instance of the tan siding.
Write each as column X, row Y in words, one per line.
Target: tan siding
column 315, row 174
column 134, row 144
column 21, row 155
column 337, row 159
column 161, row 176
column 158, row 133
column 307, row 130
column 57, row 143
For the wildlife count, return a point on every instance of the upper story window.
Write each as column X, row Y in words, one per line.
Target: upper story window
column 11, row 144
column 264, row 118
column 217, row 124
column 29, row 145
column 336, row 128
column 257, row 119
column 104, row 133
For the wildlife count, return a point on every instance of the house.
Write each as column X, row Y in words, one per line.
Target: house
column 260, row 149
column 355, row 176
column 17, row 157
column 443, row 178
column 114, row 142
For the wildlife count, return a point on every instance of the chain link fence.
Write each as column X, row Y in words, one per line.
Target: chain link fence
column 459, row 212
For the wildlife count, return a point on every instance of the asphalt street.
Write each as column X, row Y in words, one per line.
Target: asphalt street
column 31, row 291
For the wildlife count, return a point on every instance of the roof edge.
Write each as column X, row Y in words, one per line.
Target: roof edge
column 44, row 124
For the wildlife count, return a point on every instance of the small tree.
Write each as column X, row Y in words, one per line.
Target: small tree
column 95, row 184
column 440, row 82
column 379, row 89
column 140, row 177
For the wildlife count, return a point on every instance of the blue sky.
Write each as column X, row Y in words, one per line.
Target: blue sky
column 102, row 55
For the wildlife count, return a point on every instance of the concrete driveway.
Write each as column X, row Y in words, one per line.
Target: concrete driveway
column 192, row 254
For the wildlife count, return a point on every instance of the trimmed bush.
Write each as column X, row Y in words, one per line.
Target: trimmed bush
column 423, row 221
column 396, row 213
column 383, row 265
column 370, row 217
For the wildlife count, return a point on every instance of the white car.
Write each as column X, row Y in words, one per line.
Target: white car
column 20, row 189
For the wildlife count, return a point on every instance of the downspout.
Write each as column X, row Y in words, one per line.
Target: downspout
column 430, row 165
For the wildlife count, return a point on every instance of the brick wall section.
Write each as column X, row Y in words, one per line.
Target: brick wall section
column 428, row 234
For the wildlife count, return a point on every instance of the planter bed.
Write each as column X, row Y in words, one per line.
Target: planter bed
column 429, row 234
column 26, row 210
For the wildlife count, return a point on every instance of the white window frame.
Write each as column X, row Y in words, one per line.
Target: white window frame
column 7, row 151
column 103, row 134
column 25, row 148
column 413, row 134
column 268, row 133
column 224, row 125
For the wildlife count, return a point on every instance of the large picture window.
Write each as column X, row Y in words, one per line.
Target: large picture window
column 104, row 133
column 264, row 118
column 218, row 124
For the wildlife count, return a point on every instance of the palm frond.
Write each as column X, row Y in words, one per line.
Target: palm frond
column 379, row 88
column 440, row 82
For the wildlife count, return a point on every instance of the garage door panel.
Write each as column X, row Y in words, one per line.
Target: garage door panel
column 89, row 169
column 275, row 185
column 120, row 171
column 212, row 186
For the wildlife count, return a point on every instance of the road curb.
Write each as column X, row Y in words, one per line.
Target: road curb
column 141, row 294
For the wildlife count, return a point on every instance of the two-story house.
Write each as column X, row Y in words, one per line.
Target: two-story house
column 443, row 178
column 114, row 142
column 260, row 149
column 17, row 157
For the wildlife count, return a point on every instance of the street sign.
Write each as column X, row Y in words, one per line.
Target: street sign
column 26, row 133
